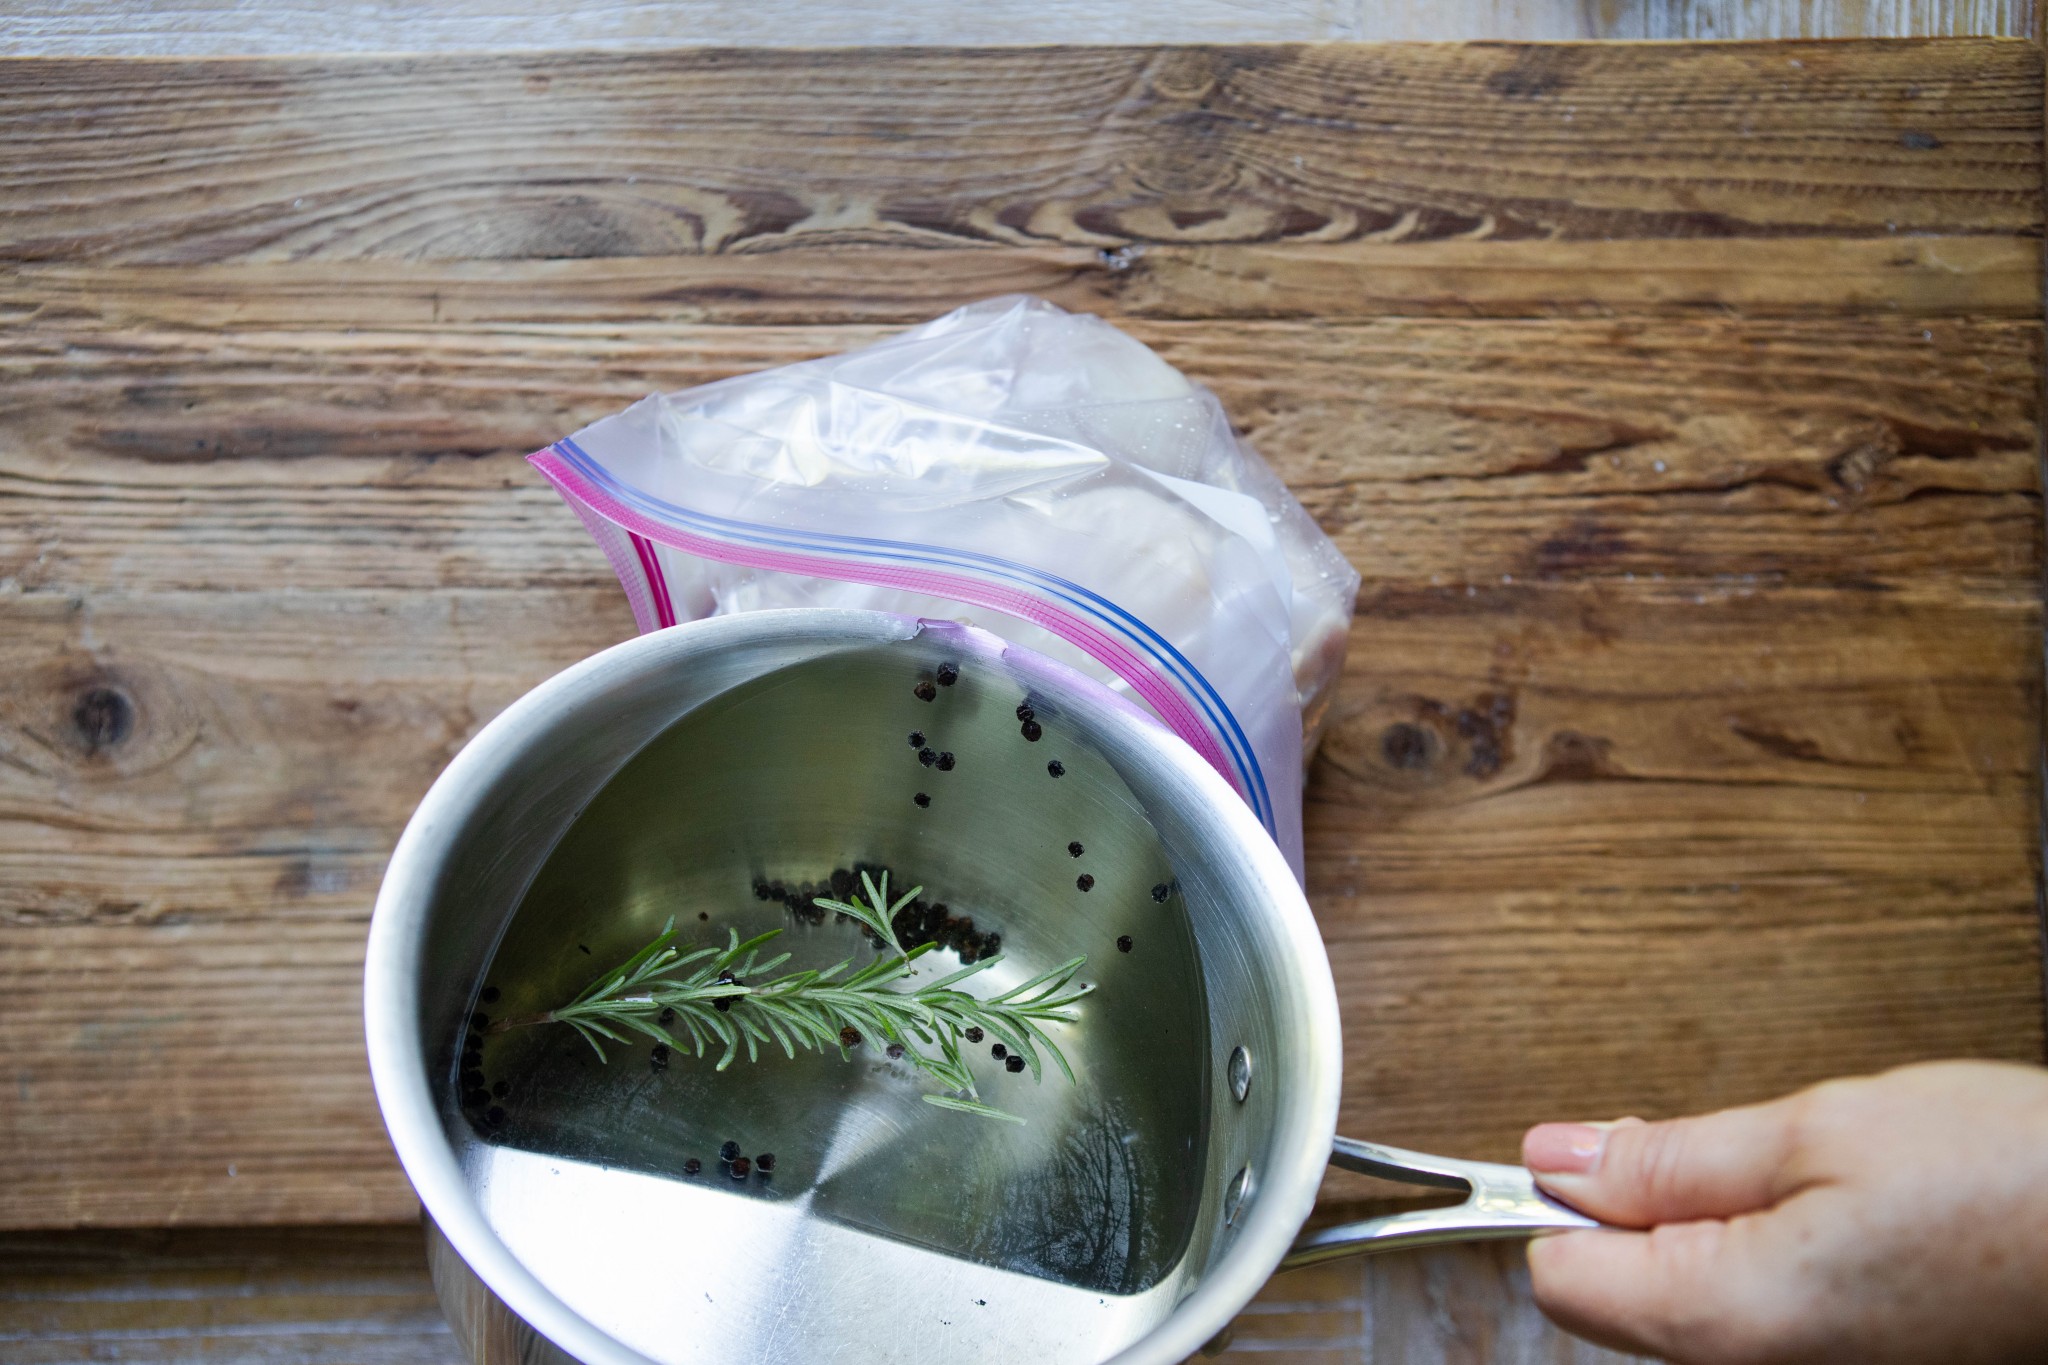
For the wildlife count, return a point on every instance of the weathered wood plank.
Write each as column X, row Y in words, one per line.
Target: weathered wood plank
column 1724, row 19
column 308, row 1296
column 168, row 758
column 196, row 28
column 1688, row 747
column 361, row 1296
column 596, row 155
column 1460, row 712
column 1681, row 833
column 1532, row 900
column 1860, row 452
column 1695, row 686
column 1978, row 276
column 1576, row 535
column 1443, row 1306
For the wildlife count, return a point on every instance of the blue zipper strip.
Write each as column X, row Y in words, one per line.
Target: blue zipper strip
column 1197, row 688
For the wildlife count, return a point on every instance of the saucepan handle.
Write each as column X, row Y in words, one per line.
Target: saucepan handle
column 1503, row 1202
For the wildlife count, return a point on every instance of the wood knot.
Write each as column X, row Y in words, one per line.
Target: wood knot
column 1572, row 757
column 103, row 718
column 1538, row 73
column 1853, row 469
column 1407, row 746
column 1189, row 74
column 1488, row 726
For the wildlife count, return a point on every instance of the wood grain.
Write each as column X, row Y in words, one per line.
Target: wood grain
column 595, row 155
column 198, row 28
column 308, row 1296
column 1685, row 848
column 208, row 28
column 1979, row 276
column 1860, row 451
column 1681, row 408
column 361, row 1296
column 1695, row 666
column 1747, row 19
column 1442, row 1306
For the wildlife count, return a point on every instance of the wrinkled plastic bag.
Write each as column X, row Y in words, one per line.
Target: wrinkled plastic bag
column 1010, row 464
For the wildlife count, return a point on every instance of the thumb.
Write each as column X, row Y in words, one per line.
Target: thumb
column 1637, row 1174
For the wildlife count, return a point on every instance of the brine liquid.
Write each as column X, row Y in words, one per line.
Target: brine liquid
column 784, row 779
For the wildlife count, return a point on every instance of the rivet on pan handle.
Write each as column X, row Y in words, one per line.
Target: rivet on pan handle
column 1503, row 1202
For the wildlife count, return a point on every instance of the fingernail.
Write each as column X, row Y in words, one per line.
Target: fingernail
column 1564, row 1148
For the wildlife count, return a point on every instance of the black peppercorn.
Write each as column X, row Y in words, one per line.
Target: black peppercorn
column 999, row 1052
column 472, row 1077
column 1056, row 768
column 1014, row 1063
column 728, row 1149
column 1085, row 882
column 1032, row 731
column 740, row 1167
column 490, row 995
column 1024, row 711
column 1123, row 943
column 1161, row 892
column 927, row 756
column 501, row 1090
column 925, row 691
column 849, row 1036
column 723, row 1004
column 917, row 739
column 667, row 1016
column 479, row 1021
column 895, row 1050
column 973, row 1034
column 948, row 675
column 946, row 761
column 494, row 1116
column 704, row 914
column 692, row 1166
column 1074, row 849
column 661, row 1052
column 762, row 891
column 765, row 1162
column 921, row 799
column 477, row 1098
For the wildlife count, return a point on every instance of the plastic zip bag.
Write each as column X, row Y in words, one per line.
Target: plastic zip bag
column 1010, row 464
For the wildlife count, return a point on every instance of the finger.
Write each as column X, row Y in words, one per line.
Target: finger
column 1637, row 1174
column 1684, row 1289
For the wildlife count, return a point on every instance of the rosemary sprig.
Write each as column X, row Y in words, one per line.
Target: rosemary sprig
column 728, row 997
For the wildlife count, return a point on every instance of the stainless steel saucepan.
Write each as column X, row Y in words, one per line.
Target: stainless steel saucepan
column 717, row 771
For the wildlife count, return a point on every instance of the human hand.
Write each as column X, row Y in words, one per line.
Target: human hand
column 1892, row 1218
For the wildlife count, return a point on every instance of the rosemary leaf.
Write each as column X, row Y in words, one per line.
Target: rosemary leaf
column 730, row 998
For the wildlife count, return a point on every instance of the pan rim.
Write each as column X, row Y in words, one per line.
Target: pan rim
column 1302, row 1127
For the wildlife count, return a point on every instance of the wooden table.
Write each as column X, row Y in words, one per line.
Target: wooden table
column 1680, row 406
